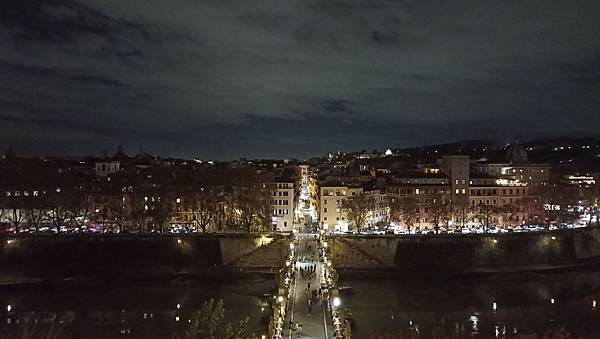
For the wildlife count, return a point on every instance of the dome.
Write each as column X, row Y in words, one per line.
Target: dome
column 516, row 153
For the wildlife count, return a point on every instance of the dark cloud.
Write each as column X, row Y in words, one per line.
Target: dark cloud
column 227, row 79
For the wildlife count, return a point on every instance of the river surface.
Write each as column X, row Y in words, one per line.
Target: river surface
column 520, row 306
column 510, row 307
column 146, row 311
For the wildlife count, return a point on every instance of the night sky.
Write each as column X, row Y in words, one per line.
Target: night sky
column 224, row 79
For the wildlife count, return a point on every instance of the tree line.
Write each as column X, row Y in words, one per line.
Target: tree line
column 142, row 200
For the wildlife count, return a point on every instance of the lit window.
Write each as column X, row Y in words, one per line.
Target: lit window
column 457, row 192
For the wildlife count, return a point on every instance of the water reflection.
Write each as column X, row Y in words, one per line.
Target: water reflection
column 530, row 306
column 107, row 311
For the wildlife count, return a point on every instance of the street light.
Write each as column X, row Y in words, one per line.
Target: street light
column 336, row 302
column 291, row 246
column 280, row 299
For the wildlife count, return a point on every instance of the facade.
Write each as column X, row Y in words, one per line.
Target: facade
column 105, row 168
column 510, row 200
column 517, row 167
column 283, row 206
column 334, row 216
column 536, row 176
column 419, row 201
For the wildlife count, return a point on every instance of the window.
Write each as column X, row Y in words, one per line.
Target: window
column 324, row 201
column 325, row 210
column 457, row 192
column 464, row 191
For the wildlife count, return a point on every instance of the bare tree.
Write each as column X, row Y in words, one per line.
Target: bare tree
column 36, row 325
column 485, row 215
column 249, row 201
column 462, row 210
column 204, row 205
column 3, row 201
column 60, row 207
column 440, row 210
column 404, row 210
column 358, row 209
column 160, row 209
column 15, row 206
column 558, row 204
column 81, row 208
column 114, row 211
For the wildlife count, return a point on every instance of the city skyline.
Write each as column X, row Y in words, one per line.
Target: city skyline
column 292, row 80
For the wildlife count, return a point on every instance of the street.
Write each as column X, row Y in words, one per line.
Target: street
column 315, row 323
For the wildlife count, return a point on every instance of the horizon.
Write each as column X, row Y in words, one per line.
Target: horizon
column 111, row 152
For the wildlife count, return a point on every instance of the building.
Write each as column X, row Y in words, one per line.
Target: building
column 419, row 200
column 107, row 167
column 517, row 167
column 333, row 214
column 283, row 205
column 509, row 201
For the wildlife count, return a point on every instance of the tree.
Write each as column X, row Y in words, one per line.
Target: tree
column 160, row 211
column 114, row 211
column 208, row 323
column 440, row 210
column 204, row 204
column 485, row 215
column 81, row 208
column 3, row 200
column 404, row 210
column 462, row 210
column 558, row 203
column 15, row 210
column 507, row 211
column 36, row 325
column 358, row 209
column 60, row 207
column 249, row 199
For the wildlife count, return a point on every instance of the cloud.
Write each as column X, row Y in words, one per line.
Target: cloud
column 224, row 78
